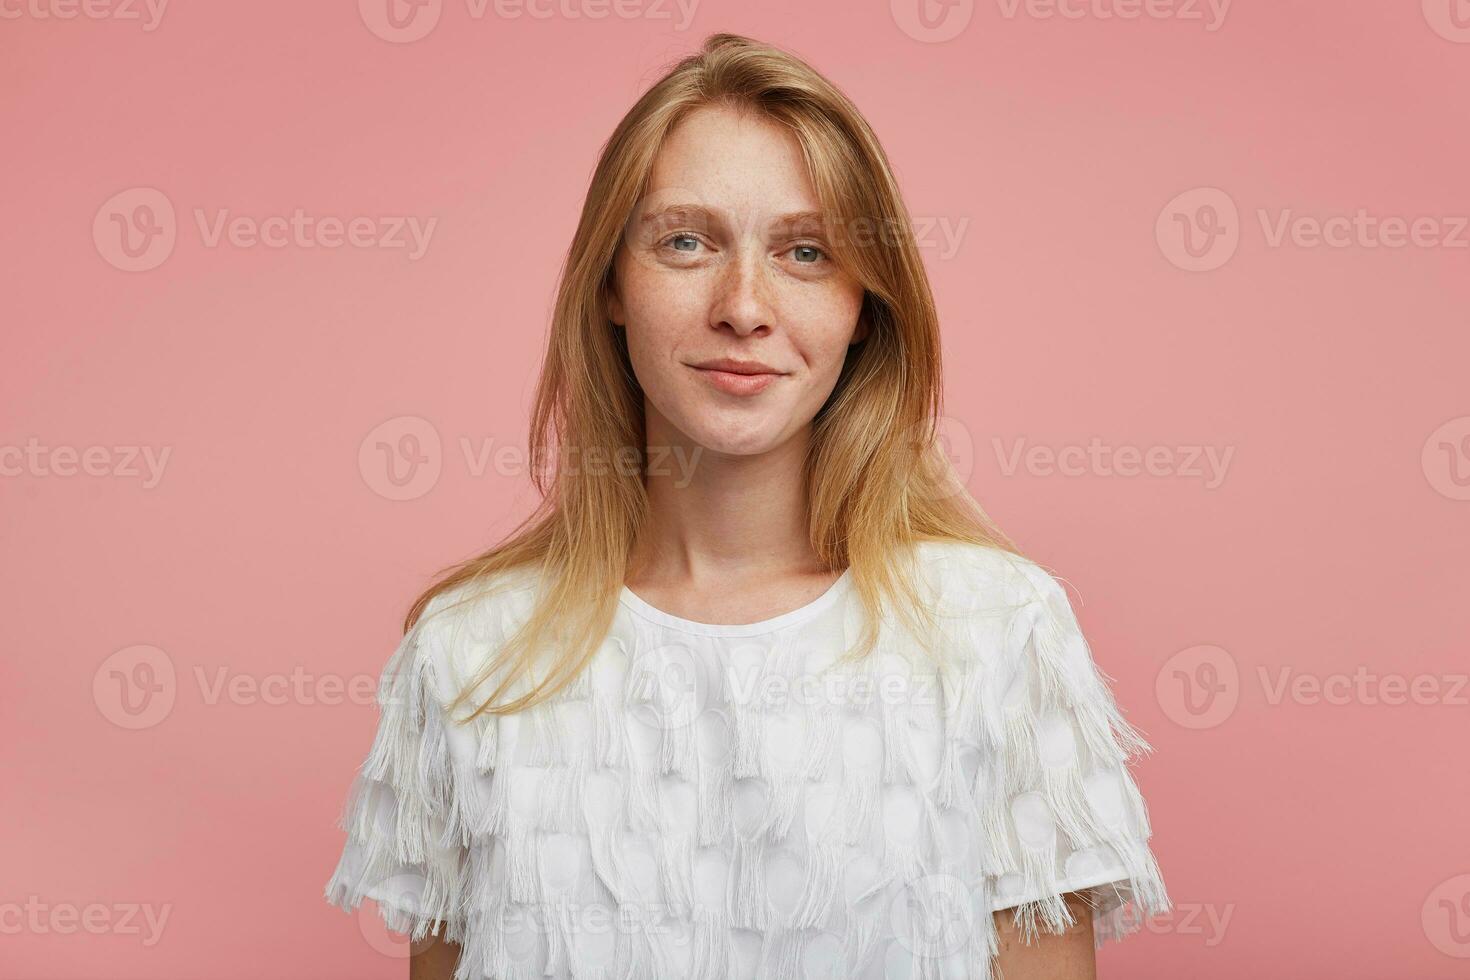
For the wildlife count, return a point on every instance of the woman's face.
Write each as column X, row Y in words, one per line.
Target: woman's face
column 727, row 259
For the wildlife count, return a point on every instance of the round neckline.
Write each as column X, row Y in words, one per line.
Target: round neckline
column 643, row 608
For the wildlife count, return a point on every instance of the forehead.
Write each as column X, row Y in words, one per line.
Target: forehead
column 728, row 160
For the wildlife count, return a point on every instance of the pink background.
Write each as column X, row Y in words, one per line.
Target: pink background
column 1299, row 837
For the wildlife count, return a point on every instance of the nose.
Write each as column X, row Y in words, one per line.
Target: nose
column 742, row 300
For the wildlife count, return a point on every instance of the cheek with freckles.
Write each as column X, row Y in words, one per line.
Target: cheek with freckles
column 823, row 335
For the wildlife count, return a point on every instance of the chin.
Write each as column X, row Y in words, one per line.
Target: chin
column 746, row 441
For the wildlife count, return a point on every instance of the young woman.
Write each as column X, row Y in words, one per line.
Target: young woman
column 758, row 691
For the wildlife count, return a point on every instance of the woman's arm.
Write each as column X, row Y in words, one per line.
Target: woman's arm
column 433, row 958
column 1068, row 955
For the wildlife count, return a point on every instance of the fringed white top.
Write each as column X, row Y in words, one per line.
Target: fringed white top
column 719, row 801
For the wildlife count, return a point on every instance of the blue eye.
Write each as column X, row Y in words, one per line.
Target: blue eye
column 683, row 238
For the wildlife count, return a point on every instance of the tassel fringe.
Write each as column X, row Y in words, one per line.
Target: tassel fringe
column 460, row 831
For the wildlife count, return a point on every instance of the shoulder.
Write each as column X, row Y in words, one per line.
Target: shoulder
column 479, row 603
column 967, row 577
column 1000, row 610
column 1011, row 620
column 462, row 626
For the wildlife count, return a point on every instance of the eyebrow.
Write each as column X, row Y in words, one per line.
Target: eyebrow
column 699, row 211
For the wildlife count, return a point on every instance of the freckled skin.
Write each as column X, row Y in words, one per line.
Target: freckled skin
column 736, row 283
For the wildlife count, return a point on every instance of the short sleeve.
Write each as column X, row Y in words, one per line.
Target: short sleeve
column 407, row 846
column 1062, row 811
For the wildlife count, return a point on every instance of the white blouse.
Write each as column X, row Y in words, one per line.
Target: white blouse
column 718, row 801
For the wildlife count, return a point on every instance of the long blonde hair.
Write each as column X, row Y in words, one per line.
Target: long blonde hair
column 877, row 478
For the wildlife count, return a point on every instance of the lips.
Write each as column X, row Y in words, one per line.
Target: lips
column 737, row 377
column 730, row 365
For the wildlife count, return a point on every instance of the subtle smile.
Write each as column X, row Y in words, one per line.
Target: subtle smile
column 738, row 377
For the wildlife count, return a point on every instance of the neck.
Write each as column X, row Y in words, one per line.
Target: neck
column 717, row 516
